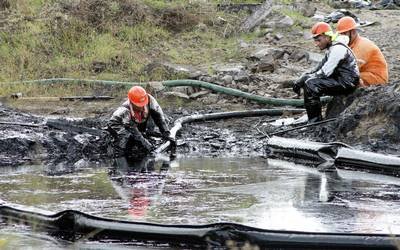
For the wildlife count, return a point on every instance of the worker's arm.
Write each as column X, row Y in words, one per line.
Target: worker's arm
column 138, row 137
column 123, row 127
column 158, row 115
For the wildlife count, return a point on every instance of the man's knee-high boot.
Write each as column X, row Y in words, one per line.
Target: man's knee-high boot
column 313, row 108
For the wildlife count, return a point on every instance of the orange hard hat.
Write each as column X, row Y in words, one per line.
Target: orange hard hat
column 138, row 96
column 345, row 24
column 320, row 28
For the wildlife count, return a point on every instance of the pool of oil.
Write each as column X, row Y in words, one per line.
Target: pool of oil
column 263, row 193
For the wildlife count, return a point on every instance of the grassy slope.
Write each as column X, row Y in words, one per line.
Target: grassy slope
column 114, row 40
column 42, row 39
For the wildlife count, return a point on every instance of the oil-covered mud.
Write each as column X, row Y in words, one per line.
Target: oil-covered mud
column 370, row 122
column 62, row 142
column 28, row 138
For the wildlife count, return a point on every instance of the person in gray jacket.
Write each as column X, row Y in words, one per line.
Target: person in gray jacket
column 133, row 119
column 337, row 74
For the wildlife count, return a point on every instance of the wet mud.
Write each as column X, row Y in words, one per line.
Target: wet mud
column 369, row 122
column 27, row 138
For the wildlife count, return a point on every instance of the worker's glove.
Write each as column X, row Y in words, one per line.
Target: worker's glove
column 148, row 146
column 296, row 88
column 300, row 83
column 167, row 136
column 302, row 79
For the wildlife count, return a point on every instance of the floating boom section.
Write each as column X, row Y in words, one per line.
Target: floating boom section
column 362, row 160
column 335, row 153
column 74, row 226
column 308, row 151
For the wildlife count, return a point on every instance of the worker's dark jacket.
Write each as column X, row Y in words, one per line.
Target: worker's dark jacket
column 339, row 64
column 124, row 128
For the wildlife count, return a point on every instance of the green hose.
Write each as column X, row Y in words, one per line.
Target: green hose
column 235, row 92
column 185, row 82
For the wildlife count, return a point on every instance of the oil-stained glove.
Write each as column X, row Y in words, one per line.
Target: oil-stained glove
column 148, row 146
column 302, row 79
column 167, row 136
column 300, row 83
column 296, row 88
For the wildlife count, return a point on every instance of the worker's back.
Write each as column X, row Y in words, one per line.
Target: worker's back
column 372, row 64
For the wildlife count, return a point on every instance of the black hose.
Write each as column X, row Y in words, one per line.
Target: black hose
column 298, row 127
column 223, row 115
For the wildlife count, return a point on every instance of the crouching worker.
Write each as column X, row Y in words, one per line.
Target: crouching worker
column 131, row 122
column 337, row 74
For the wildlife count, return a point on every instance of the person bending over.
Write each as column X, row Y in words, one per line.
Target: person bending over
column 133, row 120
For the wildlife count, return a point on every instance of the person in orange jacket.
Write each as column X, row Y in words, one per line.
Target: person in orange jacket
column 371, row 62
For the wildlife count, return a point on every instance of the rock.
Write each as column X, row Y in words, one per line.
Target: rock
column 269, row 25
column 98, row 67
column 210, row 79
column 216, row 145
column 266, row 64
column 286, row 22
column 257, row 17
column 305, row 9
column 231, row 7
column 155, row 86
column 298, row 55
column 318, row 18
column 201, row 27
column 241, row 77
column 177, row 94
column 243, row 44
column 287, row 83
column 168, row 69
column 227, row 79
column 82, row 163
column 266, row 52
column 195, row 74
column 278, row 36
column 210, row 99
column 253, row 88
column 199, row 94
column 231, row 69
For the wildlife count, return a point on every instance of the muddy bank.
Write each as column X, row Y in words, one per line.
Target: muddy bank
column 28, row 138
column 371, row 122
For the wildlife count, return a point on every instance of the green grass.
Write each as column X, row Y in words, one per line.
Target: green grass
column 239, row 1
column 66, row 44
